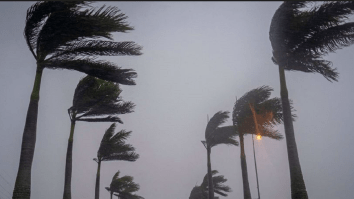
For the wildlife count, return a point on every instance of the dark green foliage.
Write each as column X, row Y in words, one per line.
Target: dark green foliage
column 300, row 38
column 65, row 35
column 113, row 146
column 124, row 187
column 201, row 192
column 215, row 135
column 259, row 98
column 96, row 100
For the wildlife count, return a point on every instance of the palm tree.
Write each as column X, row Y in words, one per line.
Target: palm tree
column 64, row 35
column 124, row 187
column 113, row 147
column 300, row 38
column 201, row 192
column 95, row 100
column 215, row 135
column 268, row 114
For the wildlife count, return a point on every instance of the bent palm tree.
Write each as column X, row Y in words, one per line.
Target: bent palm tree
column 299, row 40
column 95, row 100
column 113, row 147
column 64, row 35
column 124, row 187
column 268, row 114
column 215, row 135
column 201, row 192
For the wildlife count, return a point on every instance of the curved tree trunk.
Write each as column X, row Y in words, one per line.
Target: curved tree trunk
column 97, row 189
column 68, row 164
column 22, row 189
column 246, row 186
column 298, row 188
column 210, row 177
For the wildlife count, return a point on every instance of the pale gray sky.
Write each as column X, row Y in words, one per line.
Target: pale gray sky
column 198, row 56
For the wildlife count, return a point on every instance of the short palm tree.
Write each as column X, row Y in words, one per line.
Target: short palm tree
column 269, row 113
column 113, row 147
column 124, row 187
column 215, row 135
column 95, row 100
column 300, row 38
column 201, row 192
column 65, row 35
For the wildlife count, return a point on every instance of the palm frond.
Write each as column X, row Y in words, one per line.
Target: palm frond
column 113, row 147
column 241, row 108
column 102, row 69
column 39, row 12
column 223, row 135
column 63, row 27
column 300, row 38
column 124, row 186
column 98, row 48
column 214, row 122
column 102, row 119
column 218, row 183
column 108, row 108
column 108, row 134
column 128, row 156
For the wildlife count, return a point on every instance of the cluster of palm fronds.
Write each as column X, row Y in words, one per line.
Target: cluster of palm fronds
column 72, row 35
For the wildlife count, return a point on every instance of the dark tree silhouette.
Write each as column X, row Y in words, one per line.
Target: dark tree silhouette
column 95, row 100
column 268, row 112
column 215, row 135
column 201, row 191
column 300, row 38
column 113, row 147
column 65, row 35
column 124, row 187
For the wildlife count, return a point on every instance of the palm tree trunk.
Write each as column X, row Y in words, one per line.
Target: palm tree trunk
column 246, row 186
column 68, row 165
column 210, row 178
column 111, row 194
column 97, row 189
column 298, row 188
column 22, row 189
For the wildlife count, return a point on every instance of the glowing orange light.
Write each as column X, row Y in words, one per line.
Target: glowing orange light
column 258, row 137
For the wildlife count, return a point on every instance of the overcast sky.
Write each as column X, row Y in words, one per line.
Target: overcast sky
column 197, row 58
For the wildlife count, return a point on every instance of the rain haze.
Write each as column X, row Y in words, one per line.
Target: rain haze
column 197, row 58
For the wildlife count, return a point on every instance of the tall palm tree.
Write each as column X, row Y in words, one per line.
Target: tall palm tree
column 201, row 192
column 65, row 35
column 124, row 187
column 300, row 38
column 113, row 147
column 269, row 113
column 95, row 100
column 215, row 135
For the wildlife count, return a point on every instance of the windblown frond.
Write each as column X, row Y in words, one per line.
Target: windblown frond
column 97, row 48
column 113, row 147
column 97, row 100
column 63, row 35
column 124, row 187
column 102, row 69
column 218, row 119
column 255, row 108
column 39, row 12
column 241, row 109
column 224, row 135
column 300, row 38
column 201, row 192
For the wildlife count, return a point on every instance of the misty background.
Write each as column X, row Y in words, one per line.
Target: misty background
column 197, row 58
